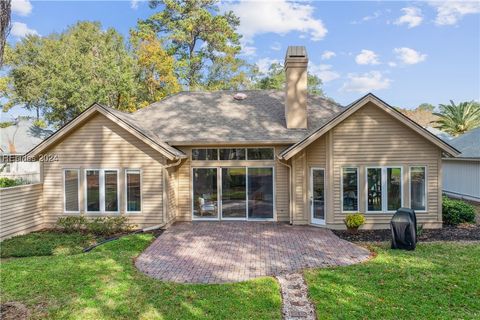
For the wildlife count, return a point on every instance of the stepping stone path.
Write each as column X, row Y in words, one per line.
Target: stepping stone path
column 295, row 303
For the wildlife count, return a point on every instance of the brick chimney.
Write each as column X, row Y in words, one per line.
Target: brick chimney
column 296, row 62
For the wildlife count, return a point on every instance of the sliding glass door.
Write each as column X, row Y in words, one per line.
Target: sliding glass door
column 260, row 193
column 205, row 193
column 233, row 193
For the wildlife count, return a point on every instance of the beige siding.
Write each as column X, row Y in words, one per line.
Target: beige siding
column 371, row 137
column 20, row 210
column 101, row 144
column 184, row 182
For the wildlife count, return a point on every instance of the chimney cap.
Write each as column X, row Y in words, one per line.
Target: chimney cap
column 296, row 52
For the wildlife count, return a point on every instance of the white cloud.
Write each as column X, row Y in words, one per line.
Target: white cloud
column 327, row 55
column 367, row 82
column 279, row 17
column 264, row 63
column 21, row 7
column 367, row 57
column 450, row 12
column 412, row 17
column 276, row 46
column 409, row 56
column 324, row 72
column 373, row 16
column 392, row 64
column 248, row 50
column 21, row 30
column 134, row 4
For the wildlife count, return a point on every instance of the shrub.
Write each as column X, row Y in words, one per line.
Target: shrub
column 72, row 224
column 7, row 182
column 457, row 211
column 104, row 226
column 354, row 220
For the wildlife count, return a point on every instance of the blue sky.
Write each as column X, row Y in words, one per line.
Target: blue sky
column 405, row 52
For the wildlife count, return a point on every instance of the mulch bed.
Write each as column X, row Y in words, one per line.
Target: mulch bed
column 13, row 311
column 466, row 232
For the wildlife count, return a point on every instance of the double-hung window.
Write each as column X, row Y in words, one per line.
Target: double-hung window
column 350, row 189
column 101, row 190
column 418, row 188
column 133, row 190
column 384, row 189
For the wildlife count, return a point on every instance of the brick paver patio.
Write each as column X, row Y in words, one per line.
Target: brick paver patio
column 218, row 252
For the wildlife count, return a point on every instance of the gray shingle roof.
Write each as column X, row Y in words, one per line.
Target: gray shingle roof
column 215, row 117
column 21, row 137
column 468, row 143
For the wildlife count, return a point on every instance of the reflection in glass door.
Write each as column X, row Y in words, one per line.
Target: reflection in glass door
column 317, row 195
column 234, row 195
column 260, row 193
column 205, row 193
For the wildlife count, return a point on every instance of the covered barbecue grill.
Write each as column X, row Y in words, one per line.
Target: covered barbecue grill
column 404, row 229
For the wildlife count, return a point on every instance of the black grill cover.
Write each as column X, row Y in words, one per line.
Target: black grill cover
column 404, row 229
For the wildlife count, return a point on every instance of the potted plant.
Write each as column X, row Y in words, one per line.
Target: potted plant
column 353, row 221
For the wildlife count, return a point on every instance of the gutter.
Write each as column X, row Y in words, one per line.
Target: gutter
column 290, row 194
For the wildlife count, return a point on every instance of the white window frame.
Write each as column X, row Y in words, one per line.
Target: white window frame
column 219, row 193
column 65, row 194
column 141, row 190
column 233, row 147
column 358, row 189
column 384, row 188
column 310, row 191
column 192, row 195
column 410, row 186
column 101, row 191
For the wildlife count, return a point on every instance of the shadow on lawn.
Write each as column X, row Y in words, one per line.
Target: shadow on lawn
column 435, row 281
column 104, row 284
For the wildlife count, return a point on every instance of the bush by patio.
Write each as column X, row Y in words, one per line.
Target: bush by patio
column 100, row 226
column 455, row 212
column 7, row 182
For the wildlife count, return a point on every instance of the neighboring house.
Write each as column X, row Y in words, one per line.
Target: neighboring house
column 441, row 134
column 461, row 175
column 255, row 155
column 16, row 140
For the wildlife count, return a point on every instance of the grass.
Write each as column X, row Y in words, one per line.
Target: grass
column 104, row 284
column 45, row 244
column 437, row 281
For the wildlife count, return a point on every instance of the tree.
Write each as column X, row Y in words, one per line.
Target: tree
column 155, row 68
column 197, row 36
column 275, row 79
column 5, row 13
column 63, row 74
column 426, row 107
column 457, row 119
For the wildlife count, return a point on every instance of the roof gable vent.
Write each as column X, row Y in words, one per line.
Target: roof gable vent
column 239, row 96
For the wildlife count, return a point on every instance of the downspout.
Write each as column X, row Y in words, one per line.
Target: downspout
column 290, row 202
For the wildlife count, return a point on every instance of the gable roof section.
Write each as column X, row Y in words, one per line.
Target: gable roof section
column 468, row 143
column 297, row 147
column 206, row 118
column 120, row 118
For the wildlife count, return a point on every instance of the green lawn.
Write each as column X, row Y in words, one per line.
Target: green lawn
column 437, row 281
column 104, row 284
column 45, row 244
